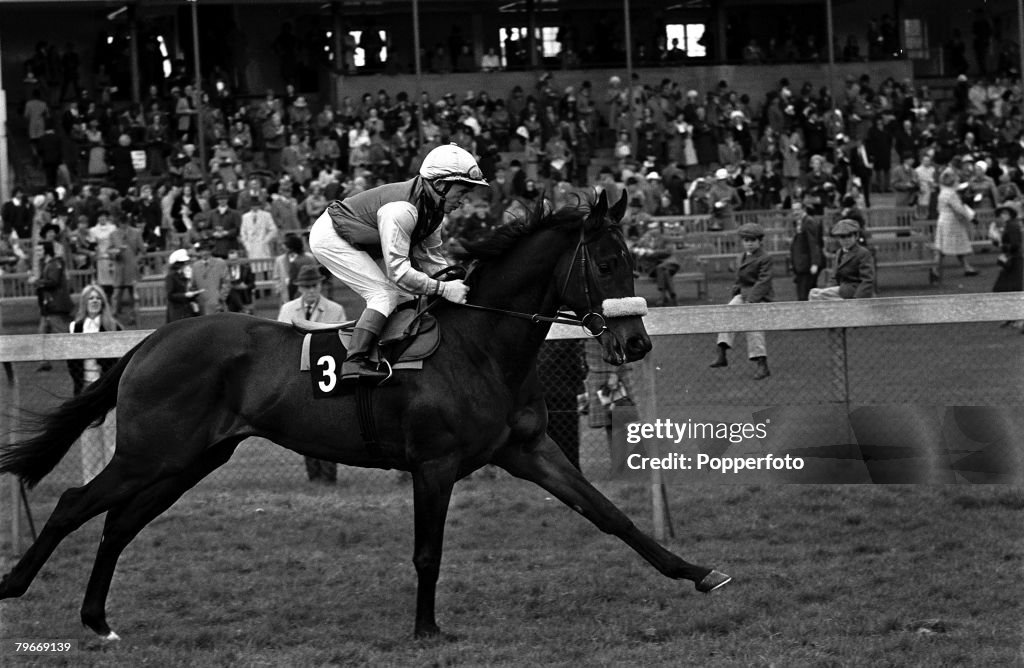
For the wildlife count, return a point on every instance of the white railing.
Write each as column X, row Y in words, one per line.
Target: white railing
column 778, row 316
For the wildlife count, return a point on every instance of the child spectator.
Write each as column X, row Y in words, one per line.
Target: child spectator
column 854, row 275
column 753, row 285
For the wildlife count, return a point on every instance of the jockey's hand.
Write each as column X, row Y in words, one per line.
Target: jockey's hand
column 454, row 291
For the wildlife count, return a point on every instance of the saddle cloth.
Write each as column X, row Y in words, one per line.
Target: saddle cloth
column 406, row 341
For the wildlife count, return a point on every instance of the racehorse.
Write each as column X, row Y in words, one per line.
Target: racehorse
column 188, row 394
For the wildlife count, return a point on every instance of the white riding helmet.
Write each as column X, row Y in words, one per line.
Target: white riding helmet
column 452, row 164
column 179, row 256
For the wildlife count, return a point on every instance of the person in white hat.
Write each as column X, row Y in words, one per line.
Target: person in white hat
column 981, row 188
column 181, row 291
column 399, row 222
column 722, row 200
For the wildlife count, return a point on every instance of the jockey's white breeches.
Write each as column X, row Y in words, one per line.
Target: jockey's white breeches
column 355, row 268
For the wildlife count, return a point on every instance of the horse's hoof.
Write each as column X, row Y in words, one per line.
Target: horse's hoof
column 7, row 590
column 713, row 581
column 434, row 634
column 439, row 637
column 110, row 637
column 427, row 632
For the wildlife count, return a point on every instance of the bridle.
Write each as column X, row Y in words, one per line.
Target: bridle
column 593, row 322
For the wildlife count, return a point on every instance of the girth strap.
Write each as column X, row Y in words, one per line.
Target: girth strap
column 367, row 427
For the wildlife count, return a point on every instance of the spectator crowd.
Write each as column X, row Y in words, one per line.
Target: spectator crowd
column 274, row 164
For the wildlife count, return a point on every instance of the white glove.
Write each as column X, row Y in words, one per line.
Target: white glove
column 454, row 291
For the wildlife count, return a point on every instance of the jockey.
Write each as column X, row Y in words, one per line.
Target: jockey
column 400, row 224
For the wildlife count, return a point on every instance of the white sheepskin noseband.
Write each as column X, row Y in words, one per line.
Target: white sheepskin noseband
column 624, row 306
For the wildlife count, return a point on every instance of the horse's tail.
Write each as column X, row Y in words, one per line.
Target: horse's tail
column 57, row 430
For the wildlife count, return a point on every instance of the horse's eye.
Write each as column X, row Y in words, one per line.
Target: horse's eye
column 604, row 268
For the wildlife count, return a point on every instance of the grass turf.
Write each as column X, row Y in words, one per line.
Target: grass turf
column 824, row 575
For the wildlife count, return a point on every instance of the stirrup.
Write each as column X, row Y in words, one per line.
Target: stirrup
column 363, row 371
column 391, row 371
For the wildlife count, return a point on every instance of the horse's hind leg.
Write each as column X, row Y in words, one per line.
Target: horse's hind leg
column 124, row 522
column 112, row 486
column 546, row 465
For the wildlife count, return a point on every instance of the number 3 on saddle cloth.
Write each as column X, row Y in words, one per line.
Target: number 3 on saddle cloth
column 409, row 337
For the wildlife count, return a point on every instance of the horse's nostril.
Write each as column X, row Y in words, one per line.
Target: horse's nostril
column 638, row 345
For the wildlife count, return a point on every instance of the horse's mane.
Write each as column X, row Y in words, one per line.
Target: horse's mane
column 522, row 219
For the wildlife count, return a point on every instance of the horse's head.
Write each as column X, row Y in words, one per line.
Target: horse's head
column 596, row 282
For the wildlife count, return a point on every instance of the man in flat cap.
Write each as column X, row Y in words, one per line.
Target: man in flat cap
column 753, row 285
column 854, row 275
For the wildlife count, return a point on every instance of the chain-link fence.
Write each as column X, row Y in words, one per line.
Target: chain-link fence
column 866, row 404
column 822, row 380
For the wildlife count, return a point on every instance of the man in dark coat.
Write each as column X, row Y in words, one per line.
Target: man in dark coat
column 1011, row 259
column 17, row 215
column 51, row 154
column 224, row 224
column 863, row 169
column 54, row 296
column 806, row 255
column 879, row 146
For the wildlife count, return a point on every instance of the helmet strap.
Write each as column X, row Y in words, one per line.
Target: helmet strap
column 446, row 187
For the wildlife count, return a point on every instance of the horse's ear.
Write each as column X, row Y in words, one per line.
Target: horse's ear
column 601, row 208
column 536, row 213
column 619, row 210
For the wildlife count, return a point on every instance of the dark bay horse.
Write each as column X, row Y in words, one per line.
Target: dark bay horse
column 193, row 390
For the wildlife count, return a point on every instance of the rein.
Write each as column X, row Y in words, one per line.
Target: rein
column 560, row 319
column 593, row 322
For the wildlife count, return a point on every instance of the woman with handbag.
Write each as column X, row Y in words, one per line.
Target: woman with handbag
column 951, row 228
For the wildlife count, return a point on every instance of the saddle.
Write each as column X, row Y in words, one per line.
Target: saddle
column 410, row 336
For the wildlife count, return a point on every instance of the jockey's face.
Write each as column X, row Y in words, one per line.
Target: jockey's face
column 456, row 194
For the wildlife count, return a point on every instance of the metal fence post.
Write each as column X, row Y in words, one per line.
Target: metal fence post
column 660, row 516
column 839, row 347
column 840, row 365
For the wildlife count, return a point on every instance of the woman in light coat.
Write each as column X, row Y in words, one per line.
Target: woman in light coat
column 951, row 228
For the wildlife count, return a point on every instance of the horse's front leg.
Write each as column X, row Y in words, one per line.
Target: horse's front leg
column 432, row 491
column 545, row 464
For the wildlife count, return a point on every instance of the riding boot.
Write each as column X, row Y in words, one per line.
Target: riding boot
column 762, row 368
column 722, row 360
column 357, row 365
